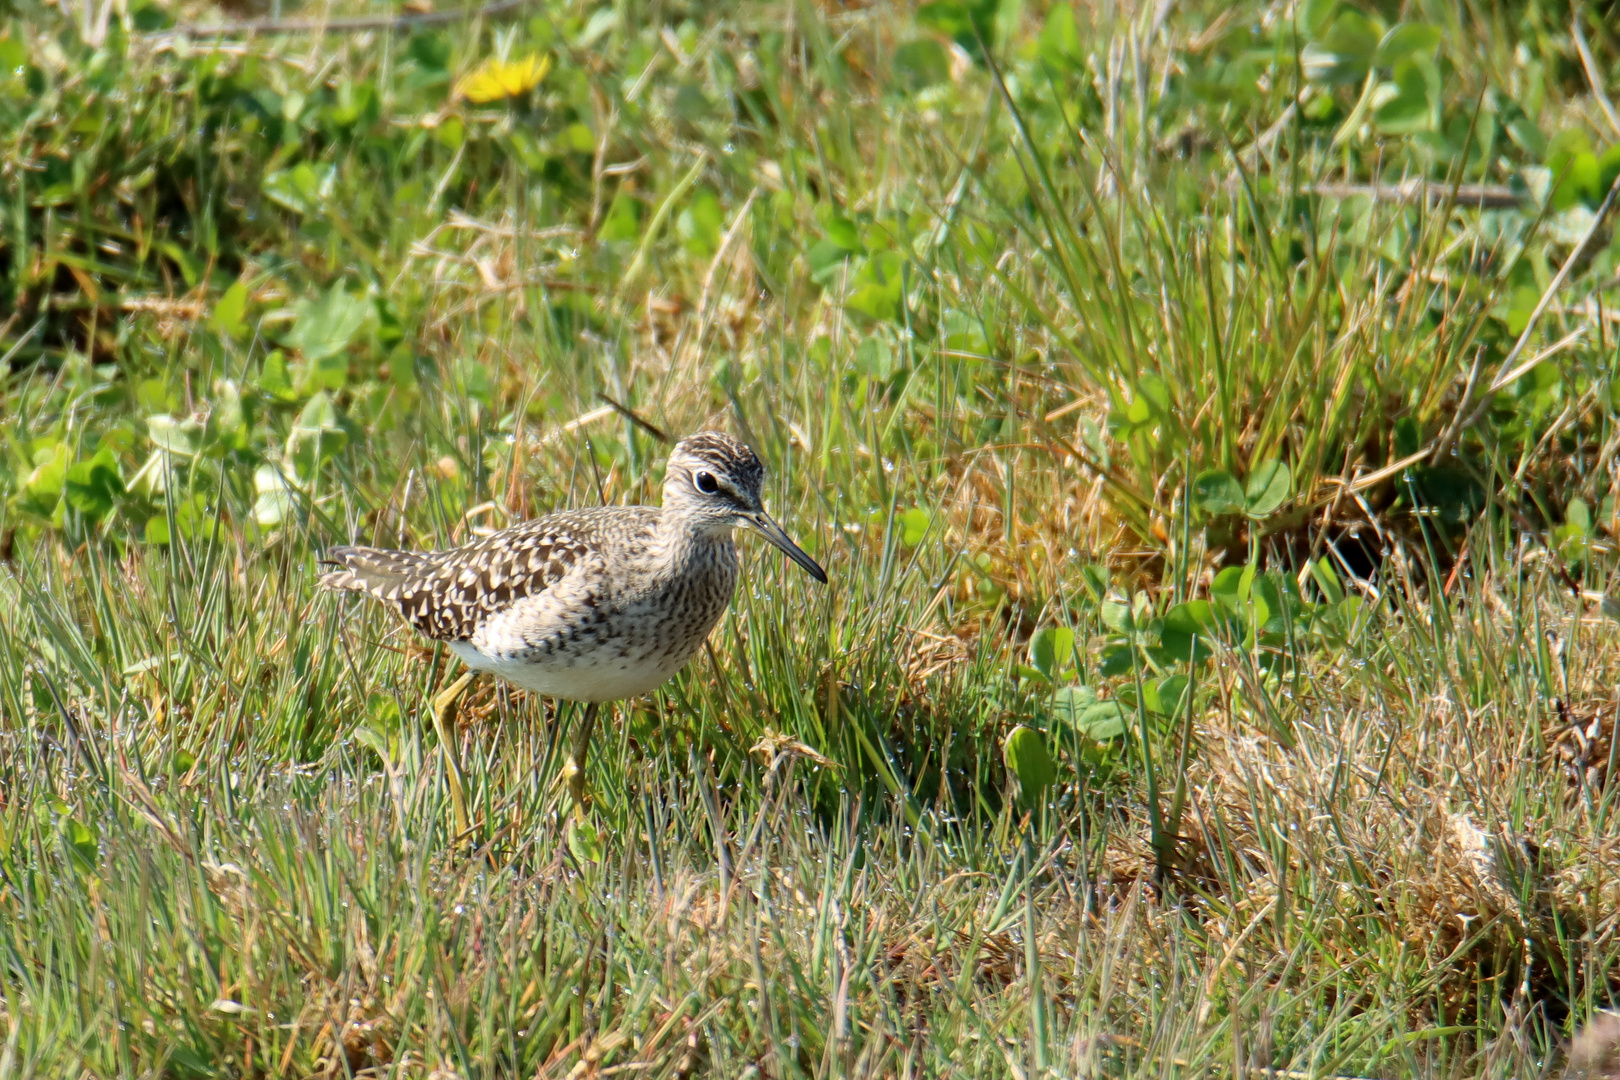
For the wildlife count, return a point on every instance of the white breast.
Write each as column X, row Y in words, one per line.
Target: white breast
column 607, row 679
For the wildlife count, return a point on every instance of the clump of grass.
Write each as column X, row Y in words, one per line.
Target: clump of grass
column 1091, row 355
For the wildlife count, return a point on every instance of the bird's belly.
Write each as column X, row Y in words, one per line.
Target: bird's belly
column 575, row 678
column 585, row 642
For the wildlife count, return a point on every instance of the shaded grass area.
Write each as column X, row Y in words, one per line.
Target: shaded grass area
column 1088, row 350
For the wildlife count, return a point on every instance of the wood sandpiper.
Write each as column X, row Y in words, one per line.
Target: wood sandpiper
column 586, row 605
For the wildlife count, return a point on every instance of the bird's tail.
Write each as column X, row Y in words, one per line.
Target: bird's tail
column 377, row 572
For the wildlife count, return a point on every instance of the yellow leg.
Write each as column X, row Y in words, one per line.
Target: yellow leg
column 574, row 767
column 444, row 711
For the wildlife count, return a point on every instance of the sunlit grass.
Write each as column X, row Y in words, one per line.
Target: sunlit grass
column 1108, row 417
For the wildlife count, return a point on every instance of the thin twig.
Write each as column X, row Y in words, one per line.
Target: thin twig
column 459, row 220
column 1550, row 351
column 1469, row 412
column 1362, row 483
column 1593, row 79
column 630, row 415
column 17, row 345
column 335, row 26
column 1479, row 196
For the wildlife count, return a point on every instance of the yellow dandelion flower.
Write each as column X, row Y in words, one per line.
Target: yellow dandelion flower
column 496, row 78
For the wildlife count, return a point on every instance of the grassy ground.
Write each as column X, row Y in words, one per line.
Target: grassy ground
column 1216, row 675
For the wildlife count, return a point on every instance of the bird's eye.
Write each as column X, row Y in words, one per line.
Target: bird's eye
column 706, row 483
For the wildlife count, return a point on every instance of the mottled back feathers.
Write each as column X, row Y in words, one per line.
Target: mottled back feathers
column 447, row 594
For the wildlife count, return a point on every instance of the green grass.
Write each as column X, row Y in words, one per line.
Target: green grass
column 1088, row 351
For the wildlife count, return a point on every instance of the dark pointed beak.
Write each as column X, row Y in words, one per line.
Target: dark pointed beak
column 773, row 532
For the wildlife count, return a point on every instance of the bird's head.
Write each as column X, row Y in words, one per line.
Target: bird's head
column 716, row 480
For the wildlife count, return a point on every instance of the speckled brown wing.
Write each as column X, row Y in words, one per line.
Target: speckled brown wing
column 447, row 594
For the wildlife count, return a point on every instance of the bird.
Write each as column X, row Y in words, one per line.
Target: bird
column 589, row 605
